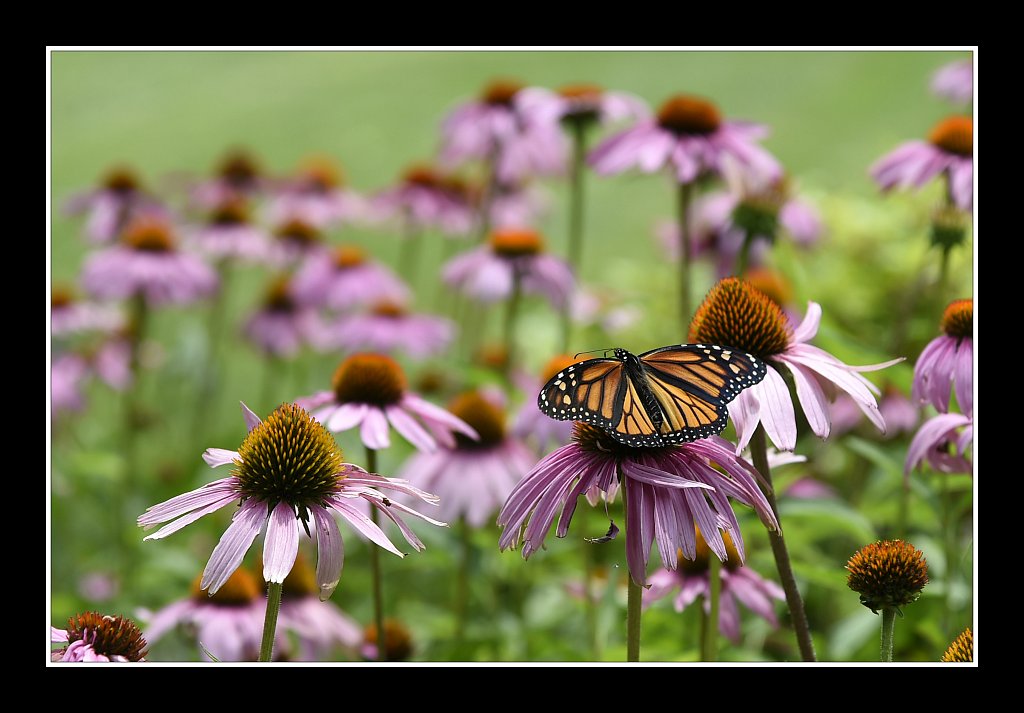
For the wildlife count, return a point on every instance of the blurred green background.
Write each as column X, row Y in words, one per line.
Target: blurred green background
column 831, row 115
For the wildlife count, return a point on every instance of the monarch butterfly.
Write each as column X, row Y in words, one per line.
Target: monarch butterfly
column 668, row 395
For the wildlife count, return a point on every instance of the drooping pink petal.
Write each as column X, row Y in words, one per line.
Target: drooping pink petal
column 281, row 545
column 808, row 327
column 330, row 552
column 347, row 416
column 932, row 433
column 410, row 429
column 364, row 525
column 187, row 502
column 777, row 413
column 374, row 431
column 234, row 543
column 963, row 378
column 223, row 501
column 58, row 636
column 812, row 400
column 745, row 411
column 430, row 412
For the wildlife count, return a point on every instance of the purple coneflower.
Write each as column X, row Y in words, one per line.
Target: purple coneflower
column 294, row 241
column 740, row 585
column 602, row 308
column 96, row 637
column 112, row 205
column 147, row 264
column 689, row 136
column 319, row 626
column 280, row 327
column 491, row 129
column 230, row 234
column 427, row 200
column 948, row 152
column 587, row 103
column 667, row 491
column 472, row 477
column 317, row 196
column 947, row 363
column 942, row 441
column 370, row 391
column 512, row 256
column 521, row 203
column 228, row 623
column 347, row 278
column 288, row 468
column 955, row 81
column 70, row 316
column 737, row 315
column 238, row 176
column 389, row 327
column 530, row 423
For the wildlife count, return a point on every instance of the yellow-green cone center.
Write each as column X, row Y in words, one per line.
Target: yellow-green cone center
column 735, row 314
column 108, row 635
column 290, row 458
column 484, row 417
column 888, row 575
column 683, row 114
column 958, row 319
column 369, row 379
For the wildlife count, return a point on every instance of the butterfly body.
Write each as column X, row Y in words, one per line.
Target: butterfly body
column 669, row 395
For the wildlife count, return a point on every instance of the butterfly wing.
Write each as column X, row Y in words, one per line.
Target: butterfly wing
column 590, row 391
column 600, row 392
column 692, row 383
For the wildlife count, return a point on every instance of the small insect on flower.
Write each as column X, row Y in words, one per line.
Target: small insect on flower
column 669, row 395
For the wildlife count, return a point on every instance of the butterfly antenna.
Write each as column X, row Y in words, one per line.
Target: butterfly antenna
column 594, row 351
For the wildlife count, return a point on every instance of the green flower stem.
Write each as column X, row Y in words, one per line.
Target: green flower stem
column 579, row 145
column 410, row 251
column 270, row 621
column 634, row 596
column 709, row 642
column 888, row 629
column 590, row 606
column 511, row 314
column 759, row 453
column 375, row 573
column 462, row 580
column 683, row 205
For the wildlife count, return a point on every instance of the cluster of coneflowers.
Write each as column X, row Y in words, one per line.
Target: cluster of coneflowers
column 475, row 459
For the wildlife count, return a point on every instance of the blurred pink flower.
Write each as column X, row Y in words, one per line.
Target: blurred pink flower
column 317, row 196
column 947, row 363
column 942, row 441
column 346, row 278
column 428, row 200
column 370, row 391
column 112, row 205
column 949, row 152
column 389, row 328
column 472, row 477
column 690, row 137
column 229, row 234
column 280, row 326
column 955, row 81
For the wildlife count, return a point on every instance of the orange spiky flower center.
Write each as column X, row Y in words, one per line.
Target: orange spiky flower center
column 369, row 379
column 387, row 308
column 484, row 417
column 121, row 180
column 148, row 235
column 771, row 283
column 501, row 92
column 61, row 297
column 241, row 589
column 954, row 134
column 238, row 168
column 735, row 314
column 321, row 174
column 684, row 114
column 516, row 242
column 299, row 233
column 278, row 296
column 397, row 640
column 422, row 174
column 232, row 211
column 887, row 574
column 108, row 635
column 961, row 650
column 958, row 319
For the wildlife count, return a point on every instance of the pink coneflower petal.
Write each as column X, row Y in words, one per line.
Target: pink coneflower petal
column 234, row 543
column 813, row 400
column 223, row 501
column 216, row 457
column 436, row 413
column 364, row 525
column 330, row 552
column 410, row 429
column 281, row 545
column 963, row 377
column 374, row 430
column 251, row 419
column 932, row 433
column 347, row 416
column 182, row 504
column 777, row 413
